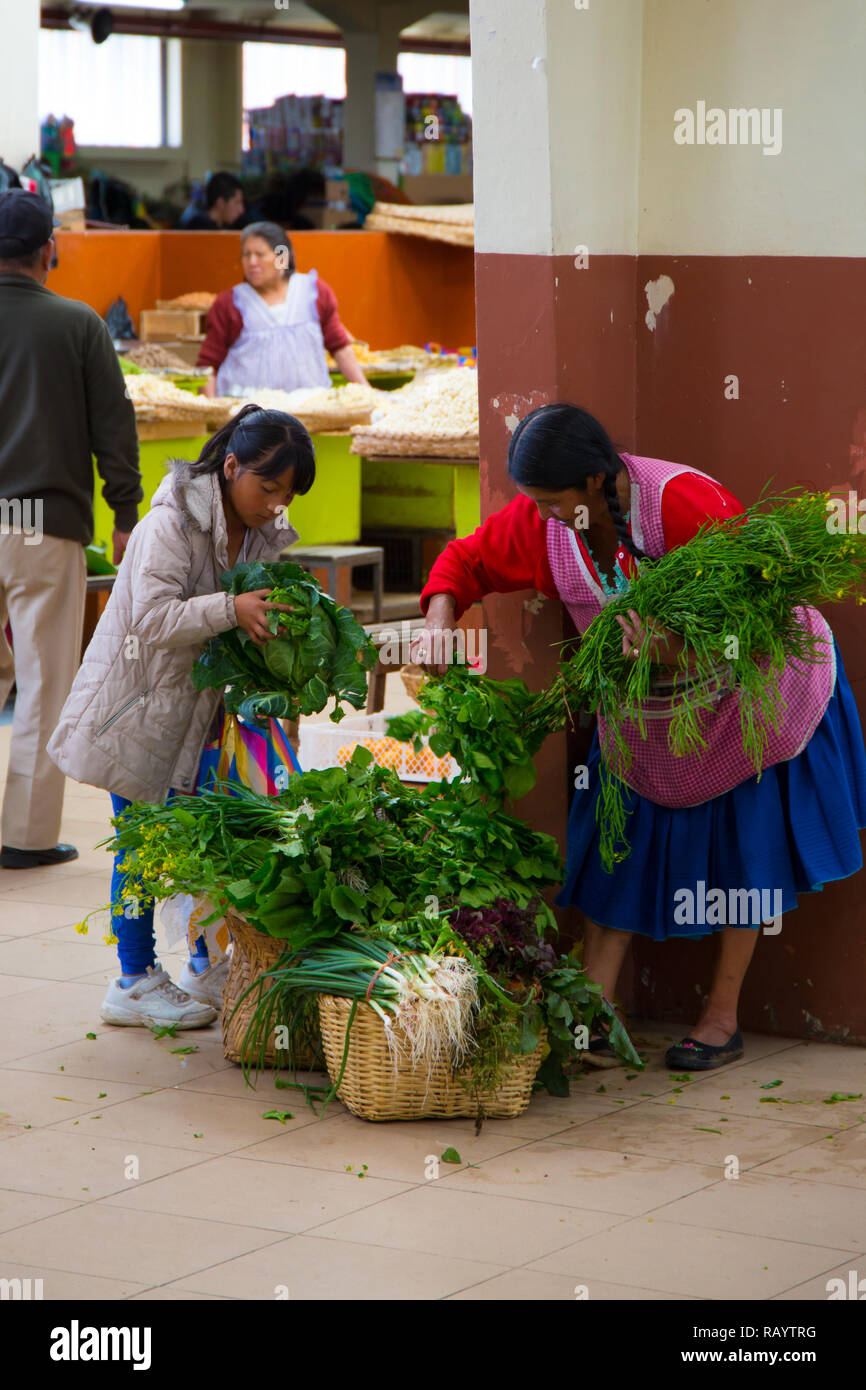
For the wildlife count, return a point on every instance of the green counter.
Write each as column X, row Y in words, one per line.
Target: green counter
column 329, row 514
column 422, row 494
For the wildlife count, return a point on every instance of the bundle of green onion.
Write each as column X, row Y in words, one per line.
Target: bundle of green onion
column 426, row 1002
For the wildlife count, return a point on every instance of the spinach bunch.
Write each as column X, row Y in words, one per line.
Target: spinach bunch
column 319, row 650
column 338, row 847
column 487, row 726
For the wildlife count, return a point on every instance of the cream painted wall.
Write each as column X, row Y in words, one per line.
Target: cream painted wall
column 805, row 57
column 574, row 116
column 556, row 96
column 19, row 88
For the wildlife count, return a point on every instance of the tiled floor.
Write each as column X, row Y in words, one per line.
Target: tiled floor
column 130, row 1171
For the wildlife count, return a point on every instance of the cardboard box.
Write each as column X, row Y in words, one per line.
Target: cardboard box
column 432, row 189
column 170, row 323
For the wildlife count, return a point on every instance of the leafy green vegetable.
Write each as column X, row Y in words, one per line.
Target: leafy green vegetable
column 743, row 577
column 341, row 846
column 487, row 726
column 451, row 1156
column 318, row 651
column 281, row 1115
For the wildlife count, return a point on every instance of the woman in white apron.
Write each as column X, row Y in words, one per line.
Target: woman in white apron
column 272, row 330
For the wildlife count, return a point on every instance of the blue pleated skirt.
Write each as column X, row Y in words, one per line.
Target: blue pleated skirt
column 790, row 832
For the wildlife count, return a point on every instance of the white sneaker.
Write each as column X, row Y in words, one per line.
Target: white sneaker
column 152, row 1000
column 209, row 985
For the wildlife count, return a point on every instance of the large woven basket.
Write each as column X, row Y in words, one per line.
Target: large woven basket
column 374, row 1090
column 252, row 954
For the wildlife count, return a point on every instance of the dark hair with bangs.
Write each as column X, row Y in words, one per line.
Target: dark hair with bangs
column 266, row 442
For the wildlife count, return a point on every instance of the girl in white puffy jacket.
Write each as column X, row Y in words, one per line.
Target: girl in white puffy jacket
column 134, row 723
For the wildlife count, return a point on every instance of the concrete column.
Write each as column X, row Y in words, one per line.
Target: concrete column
column 636, row 274
column 19, row 88
column 359, row 111
column 212, row 78
column 556, row 124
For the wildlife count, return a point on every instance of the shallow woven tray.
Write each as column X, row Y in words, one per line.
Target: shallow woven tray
column 373, row 1090
column 452, row 233
column 413, row 446
column 253, row 952
column 456, row 214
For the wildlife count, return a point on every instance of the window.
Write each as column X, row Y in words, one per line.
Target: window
column 125, row 92
column 438, row 72
column 273, row 70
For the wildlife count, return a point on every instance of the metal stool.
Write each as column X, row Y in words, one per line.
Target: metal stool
column 335, row 557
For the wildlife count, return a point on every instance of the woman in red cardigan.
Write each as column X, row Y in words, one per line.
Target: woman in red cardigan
column 272, row 330
column 585, row 518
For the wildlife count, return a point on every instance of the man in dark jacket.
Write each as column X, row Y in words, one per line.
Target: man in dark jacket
column 62, row 402
column 224, row 206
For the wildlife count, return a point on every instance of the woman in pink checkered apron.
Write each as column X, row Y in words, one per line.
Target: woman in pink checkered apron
column 699, row 823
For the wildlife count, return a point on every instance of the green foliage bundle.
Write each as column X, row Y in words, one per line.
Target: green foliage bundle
column 319, row 650
column 488, row 726
column 346, row 845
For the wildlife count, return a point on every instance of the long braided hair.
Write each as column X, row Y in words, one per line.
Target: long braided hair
column 559, row 447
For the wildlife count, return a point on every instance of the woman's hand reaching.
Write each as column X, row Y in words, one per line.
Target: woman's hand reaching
column 433, row 648
column 251, row 611
column 665, row 646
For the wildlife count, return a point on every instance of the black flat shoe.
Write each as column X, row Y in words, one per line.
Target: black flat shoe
column 691, row 1055
column 33, row 858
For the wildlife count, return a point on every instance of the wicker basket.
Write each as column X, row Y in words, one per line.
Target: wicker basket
column 413, row 677
column 373, row 1090
column 252, row 954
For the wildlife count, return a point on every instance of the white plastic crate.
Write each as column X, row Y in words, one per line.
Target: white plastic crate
column 321, row 743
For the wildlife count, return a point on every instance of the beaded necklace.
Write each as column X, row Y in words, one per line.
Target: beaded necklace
column 620, row 580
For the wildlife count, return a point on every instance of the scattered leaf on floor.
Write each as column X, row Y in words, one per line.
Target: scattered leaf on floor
column 281, row 1115
column 451, row 1156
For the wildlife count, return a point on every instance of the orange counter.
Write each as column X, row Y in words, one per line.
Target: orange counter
column 391, row 289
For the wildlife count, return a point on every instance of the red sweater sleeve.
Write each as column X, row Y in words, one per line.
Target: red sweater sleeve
column 333, row 332
column 688, row 501
column 508, row 552
column 223, row 326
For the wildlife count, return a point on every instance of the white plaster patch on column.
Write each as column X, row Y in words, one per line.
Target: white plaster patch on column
column 534, row 605
column 658, row 292
column 511, row 422
column 495, row 402
column 611, row 315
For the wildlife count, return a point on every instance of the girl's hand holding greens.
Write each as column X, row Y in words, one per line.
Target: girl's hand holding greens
column 251, row 611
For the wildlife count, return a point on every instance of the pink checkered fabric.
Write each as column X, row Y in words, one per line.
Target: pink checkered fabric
column 655, row 772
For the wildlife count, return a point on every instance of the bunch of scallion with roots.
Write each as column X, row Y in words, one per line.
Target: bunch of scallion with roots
column 427, row 1002
column 741, row 578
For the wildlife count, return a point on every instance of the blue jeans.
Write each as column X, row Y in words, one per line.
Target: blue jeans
column 136, row 941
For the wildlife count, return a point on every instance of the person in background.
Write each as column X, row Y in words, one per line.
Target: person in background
column 62, row 402
column 272, row 330
column 224, row 204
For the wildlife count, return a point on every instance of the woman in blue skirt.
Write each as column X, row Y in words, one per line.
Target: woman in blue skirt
column 714, row 849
